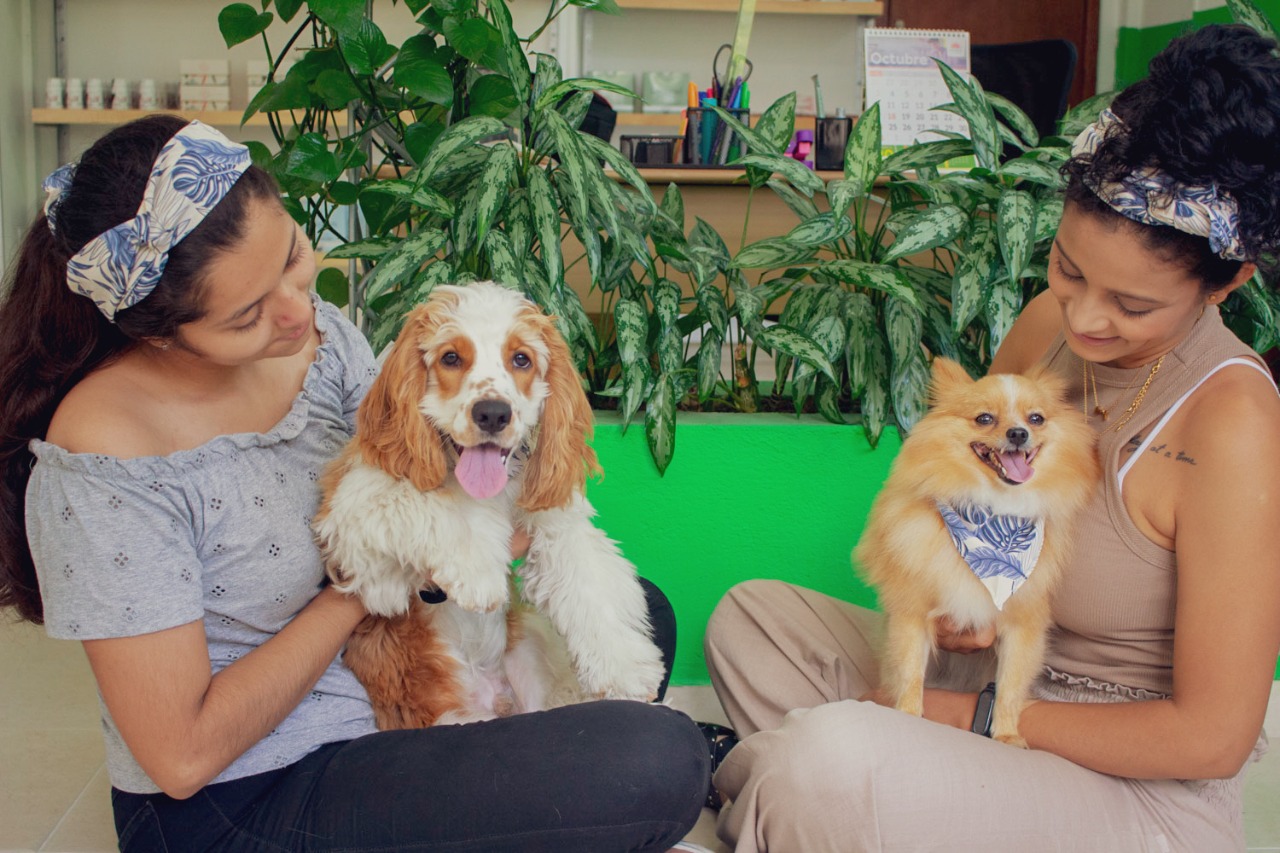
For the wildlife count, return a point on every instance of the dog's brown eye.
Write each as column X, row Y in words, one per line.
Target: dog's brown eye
column 1036, row 419
column 521, row 360
column 451, row 359
column 985, row 419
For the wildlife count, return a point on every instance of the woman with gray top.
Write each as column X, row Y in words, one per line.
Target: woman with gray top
column 173, row 391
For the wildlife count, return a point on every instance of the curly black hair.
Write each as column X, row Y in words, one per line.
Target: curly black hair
column 1207, row 113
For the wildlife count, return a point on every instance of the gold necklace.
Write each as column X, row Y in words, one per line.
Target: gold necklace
column 1091, row 382
column 1142, row 392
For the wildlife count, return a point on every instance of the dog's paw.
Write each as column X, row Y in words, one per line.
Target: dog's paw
column 636, row 676
column 482, row 592
column 1013, row 739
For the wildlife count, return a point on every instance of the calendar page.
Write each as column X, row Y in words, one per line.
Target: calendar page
column 903, row 77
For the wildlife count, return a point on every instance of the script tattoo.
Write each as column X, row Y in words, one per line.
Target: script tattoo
column 1160, row 450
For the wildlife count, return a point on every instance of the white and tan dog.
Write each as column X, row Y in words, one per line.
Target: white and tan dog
column 478, row 424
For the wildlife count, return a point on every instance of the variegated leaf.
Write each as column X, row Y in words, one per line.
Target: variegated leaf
column 502, row 258
column 1002, row 310
column 904, row 327
column 875, row 396
column 708, row 363
column 631, row 321
column 635, row 387
column 827, row 396
column 519, row 221
column 423, row 197
column 909, row 388
column 666, row 303
column 672, row 205
column 802, row 206
column 748, row 306
column 777, row 124
column 937, row 226
column 1048, row 215
column 1033, row 171
column 863, row 157
column 972, row 104
column 860, row 317
column 660, row 422
column 573, row 166
column 517, row 64
column 494, row 188
column 797, row 345
column 1017, row 119
column 1246, row 12
column 404, row 261
column 841, row 195
column 926, row 155
column 772, row 252
column 755, row 142
column 820, row 229
column 546, row 224
column 465, row 133
column 712, row 303
column 885, row 279
column 370, row 249
column 801, row 177
column 622, row 166
column 1016, row 228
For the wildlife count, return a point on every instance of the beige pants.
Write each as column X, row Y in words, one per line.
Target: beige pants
column 821, row 771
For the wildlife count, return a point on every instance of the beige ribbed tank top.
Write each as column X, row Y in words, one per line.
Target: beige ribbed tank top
column 1114, row 610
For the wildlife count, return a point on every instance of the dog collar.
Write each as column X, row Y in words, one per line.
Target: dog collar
column 1001, row 550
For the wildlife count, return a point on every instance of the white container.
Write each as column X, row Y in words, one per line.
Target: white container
column 205, row 72
column 148, row 95
column 204, row 97
column 121, row 95
column 75, row 93
column 55, row 93
column 95, row 94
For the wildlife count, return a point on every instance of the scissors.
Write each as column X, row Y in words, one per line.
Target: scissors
column 720, row 79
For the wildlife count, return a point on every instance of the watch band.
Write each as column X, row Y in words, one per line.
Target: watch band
column 984, row 712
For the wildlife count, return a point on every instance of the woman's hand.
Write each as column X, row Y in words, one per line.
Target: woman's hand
column 966, row 641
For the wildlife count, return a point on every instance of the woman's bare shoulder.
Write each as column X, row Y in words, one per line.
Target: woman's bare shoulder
column 1030, row 337
column 107, row 413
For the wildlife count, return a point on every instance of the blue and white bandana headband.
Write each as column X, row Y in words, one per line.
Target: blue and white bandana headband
column 1001, row 550
column 1153, row 197
column 193, row 172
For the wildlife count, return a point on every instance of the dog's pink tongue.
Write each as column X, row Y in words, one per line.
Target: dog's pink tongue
column 481, row 471
column 1016, row 467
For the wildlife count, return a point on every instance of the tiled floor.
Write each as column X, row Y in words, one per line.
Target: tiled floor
column 54, row 790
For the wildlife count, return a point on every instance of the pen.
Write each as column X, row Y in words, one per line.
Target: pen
column 693, row 94
column 708, row 127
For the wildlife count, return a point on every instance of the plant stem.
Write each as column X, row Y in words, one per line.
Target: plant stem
column 746, row 217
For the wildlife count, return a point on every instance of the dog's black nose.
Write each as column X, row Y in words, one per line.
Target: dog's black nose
column 1017, row 436
column 491, row 415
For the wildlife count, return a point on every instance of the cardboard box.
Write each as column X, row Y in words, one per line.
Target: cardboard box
column 204, row 72
column 204, row 97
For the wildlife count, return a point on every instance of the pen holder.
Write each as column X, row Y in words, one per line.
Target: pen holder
column 650, row 150
column 830, row 138
column 708, row 141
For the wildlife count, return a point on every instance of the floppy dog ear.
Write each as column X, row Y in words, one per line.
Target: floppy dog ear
column 562, row 458
column 392, row 433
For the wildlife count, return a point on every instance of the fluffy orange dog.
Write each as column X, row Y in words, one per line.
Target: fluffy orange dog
column 974, row 524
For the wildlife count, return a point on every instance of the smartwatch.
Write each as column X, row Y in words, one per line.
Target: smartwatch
column 983, row 713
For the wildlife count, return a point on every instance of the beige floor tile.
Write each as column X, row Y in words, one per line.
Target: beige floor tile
column 88, row 826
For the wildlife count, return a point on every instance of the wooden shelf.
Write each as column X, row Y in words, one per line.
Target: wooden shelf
column 626, row 120
column 659, row 176
column 765, row 7
column 221, row 118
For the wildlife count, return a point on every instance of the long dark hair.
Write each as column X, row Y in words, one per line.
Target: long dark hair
column 51, row 338
column 1207, row 113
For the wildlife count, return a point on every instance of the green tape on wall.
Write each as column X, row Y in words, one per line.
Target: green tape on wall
column 746, row 496
column 1137, row 45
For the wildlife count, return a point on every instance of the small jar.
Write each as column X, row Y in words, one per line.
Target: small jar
column 55, row 93
column 75, row 93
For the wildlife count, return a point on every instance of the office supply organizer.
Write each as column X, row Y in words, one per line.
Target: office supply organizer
column 902, row 76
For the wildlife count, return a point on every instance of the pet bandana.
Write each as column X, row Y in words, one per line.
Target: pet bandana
column 193, row 172
column 1002, row 550
column 1153, row 197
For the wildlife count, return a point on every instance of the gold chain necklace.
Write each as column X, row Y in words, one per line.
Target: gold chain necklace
column 1091, row 381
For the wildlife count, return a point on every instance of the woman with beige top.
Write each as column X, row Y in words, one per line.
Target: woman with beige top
column 1137, row 742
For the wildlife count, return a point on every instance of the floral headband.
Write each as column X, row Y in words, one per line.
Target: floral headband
column 193, row 172
column 1153, row 197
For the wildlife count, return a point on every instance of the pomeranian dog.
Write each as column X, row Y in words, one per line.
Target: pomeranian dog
column 974, row 524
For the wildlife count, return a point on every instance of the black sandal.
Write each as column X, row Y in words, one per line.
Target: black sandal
column 720, row 740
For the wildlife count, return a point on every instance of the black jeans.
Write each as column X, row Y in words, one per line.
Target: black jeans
column 596, row 777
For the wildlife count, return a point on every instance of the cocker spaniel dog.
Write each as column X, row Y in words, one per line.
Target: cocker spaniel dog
column 478, row 424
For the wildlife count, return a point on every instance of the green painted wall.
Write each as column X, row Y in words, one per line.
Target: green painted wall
column 747, row 496
column 1135, row 46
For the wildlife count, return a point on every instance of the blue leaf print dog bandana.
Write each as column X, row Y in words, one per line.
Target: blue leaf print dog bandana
column 1002, row 550
column 193, row 172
